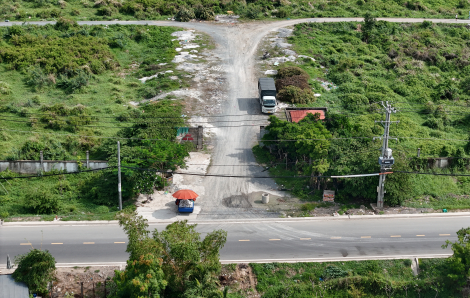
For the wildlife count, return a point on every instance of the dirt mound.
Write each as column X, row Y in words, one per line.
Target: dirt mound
column 238, row 201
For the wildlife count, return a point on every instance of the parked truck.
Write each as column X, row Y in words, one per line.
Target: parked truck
column 267, row 95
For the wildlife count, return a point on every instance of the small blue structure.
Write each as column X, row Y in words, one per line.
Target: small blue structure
column 185, row 206
column 9, row 288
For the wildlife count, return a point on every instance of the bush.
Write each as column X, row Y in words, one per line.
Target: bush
column 64, row 24
column 290, row 71
column 300, row 81
column 5, row 88
column 36, row 269
column 204, row 13
column 42, row 201
column 185, row 14
column 296, row 95
column 102, row 210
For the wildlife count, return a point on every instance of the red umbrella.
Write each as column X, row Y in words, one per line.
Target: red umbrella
column 185, row 194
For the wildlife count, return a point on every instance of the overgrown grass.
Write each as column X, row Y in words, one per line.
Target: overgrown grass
column 423, row 70
column 354, row 279
column 68, row 121
column 154, row 9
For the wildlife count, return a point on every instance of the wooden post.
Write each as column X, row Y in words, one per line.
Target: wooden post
column 93, row 289
column 105, row 288
column 41, row 160
column 81, row 285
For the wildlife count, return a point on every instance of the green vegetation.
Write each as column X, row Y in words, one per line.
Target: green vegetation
column 172, row 263
column 392, row 278
column 184, row 10
column 422, row 69
column 36, row 269
column 460, row 260
column 66, row 89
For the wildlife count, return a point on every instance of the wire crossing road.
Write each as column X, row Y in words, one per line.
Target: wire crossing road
column 287, row 240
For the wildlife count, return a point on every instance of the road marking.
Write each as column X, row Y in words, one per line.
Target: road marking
column 274, row 239
column 365, row 236
column 119, row 242
column 244, row 240
column 444, row 234
column 88, row 242
column 419, row 235
column 335, row 238
column 305, row 238
column 57, row 243
column 395, row 236
column 24, row 244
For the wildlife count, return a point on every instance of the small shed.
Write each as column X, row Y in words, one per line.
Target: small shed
column 297, row 114
column 9, row 288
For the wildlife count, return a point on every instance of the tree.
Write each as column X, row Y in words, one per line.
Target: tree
column 368, row 28
column 460, row 260
column 189, row 264
column 142, row 278
column 35, row 269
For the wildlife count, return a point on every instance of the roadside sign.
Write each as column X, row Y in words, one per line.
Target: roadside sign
column 328, row 196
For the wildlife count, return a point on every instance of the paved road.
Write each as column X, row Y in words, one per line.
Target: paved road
column 274, row 240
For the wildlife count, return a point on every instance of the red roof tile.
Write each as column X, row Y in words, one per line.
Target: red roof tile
column 298, row 115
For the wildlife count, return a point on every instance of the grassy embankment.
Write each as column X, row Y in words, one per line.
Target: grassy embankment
column 390, row 278
column 72, row 86
column 85, row 10
column 423, row 69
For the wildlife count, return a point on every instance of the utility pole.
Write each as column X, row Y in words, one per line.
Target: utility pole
column 386, row 159
column 119, row 175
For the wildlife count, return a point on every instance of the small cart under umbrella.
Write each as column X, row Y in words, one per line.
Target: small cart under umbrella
column 185, row 199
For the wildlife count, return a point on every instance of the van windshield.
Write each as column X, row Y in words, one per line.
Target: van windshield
column 269, row 103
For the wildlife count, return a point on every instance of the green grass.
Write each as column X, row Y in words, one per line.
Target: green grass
column 84, row 10
column 104, row 107
column 423, row 70
column 354, row 279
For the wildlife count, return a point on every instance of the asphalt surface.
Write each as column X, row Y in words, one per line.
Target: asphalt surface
column 268, row 241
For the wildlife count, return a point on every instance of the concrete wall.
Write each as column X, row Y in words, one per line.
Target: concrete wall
column 34, row 166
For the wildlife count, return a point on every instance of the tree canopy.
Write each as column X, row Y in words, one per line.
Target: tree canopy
column 36, row 269
column 189, row 264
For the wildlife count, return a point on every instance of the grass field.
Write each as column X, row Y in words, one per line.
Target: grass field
column 66, row 89
column 387, row 278
column 423, row 71
column 84, row 10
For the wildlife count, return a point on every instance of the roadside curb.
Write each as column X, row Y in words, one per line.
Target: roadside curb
column 292, row 260
column 244, row 220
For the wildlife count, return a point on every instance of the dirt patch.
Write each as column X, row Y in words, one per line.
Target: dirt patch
column 240, row 280
column 238, row 201
column 69, row 281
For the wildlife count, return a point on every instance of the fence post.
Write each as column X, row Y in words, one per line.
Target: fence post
column 200, row 137
column 87, row 159
column 41, row 160
column 82, row 288
column 105, row 288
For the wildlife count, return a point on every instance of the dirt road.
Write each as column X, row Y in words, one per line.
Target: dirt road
column 236, row 46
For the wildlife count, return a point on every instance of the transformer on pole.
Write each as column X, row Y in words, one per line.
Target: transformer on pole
column 386, row 159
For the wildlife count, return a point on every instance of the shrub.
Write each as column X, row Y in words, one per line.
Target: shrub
column 64, row 24
column 36, row 78
column 107, row 11
column 204, row 13
column 290, row 71
column 42, row 201
column 36, row 269
column 354, row 100
column 294, row 94
column 300, row 81
column 102, row 210
column 5, row 88
column 283, row 12
column 185, row 14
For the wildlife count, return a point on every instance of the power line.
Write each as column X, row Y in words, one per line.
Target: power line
column 260, row 177
column 68, row 173
column 435, row 174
